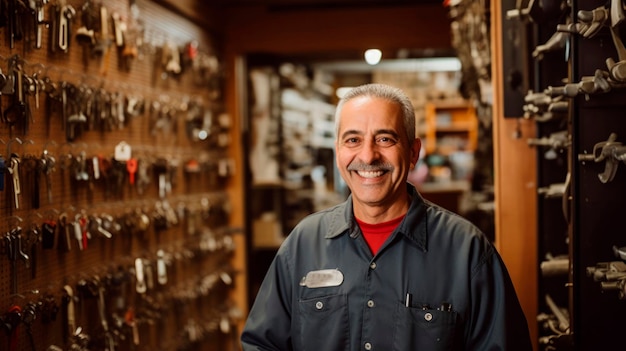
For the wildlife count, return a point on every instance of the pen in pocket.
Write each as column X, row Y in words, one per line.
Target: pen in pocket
column 408, row 300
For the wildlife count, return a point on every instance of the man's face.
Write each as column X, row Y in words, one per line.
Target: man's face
column 373, row 153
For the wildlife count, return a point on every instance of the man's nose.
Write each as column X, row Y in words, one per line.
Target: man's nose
column 369, row 152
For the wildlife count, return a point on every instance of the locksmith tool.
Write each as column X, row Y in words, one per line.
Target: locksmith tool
column 609, row 151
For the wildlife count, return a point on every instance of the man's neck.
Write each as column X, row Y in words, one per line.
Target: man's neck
column 381, row 213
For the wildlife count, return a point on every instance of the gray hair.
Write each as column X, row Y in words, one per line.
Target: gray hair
column 386, row 92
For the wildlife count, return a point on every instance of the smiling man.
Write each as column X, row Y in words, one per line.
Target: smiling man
column 385, row 270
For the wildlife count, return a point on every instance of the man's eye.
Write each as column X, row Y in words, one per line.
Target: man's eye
column 386, row 141
column 352, row 141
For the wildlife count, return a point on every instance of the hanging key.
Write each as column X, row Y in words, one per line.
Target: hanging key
column 131, row 168
column 64, row 229
column 95, row 227
column 140, row 284
column 143, row 176
column 161, row 268
column 161, row 168
column 32, row 243
column 80, row 171
column 4, row 20
column 41, row 21
column 95, row 166
column 11, row 252
column 66, row 13
column 53, row 34
column 32, row 166
column 17, row 233
column 12, row 320
column 29, row 314
column 29, row 17
column 78, row 233
column 48, row 234
column 148, row 274
column 15, row 27
column 48, row 164
column 3, row 85
column 131, row 320
column 49, row 309
column 69, row 313
column 85, row 235
column 3, row 169
column 110, row 342
column 17, row 111
column 15, row 176
column 30, row 88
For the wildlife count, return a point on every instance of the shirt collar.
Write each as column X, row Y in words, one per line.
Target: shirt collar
column 414, row 225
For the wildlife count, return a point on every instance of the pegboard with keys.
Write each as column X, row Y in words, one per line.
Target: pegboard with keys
column 115, row 170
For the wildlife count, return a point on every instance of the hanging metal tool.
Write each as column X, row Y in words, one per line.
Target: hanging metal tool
column 611, row 152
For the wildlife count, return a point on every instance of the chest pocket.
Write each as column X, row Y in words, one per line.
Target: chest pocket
column 424, row 329
column 324, row 323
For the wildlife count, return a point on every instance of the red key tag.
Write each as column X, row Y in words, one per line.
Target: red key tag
column 131, row 167
column 13, row 318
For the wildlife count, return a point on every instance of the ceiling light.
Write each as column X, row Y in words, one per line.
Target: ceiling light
column 373, row 56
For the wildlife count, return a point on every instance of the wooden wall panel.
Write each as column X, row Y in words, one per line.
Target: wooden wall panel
column 515, row 188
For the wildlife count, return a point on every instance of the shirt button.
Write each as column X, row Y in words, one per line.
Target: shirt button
column 319, row 305
column 367, row 346
column 428, row 317
column 373, row 265
column 370, row 303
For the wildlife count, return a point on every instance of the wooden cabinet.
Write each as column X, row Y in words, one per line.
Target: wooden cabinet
column 450, row 126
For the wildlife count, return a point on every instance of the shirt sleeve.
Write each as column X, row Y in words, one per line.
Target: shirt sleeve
column 268, row 326
column 497, row 319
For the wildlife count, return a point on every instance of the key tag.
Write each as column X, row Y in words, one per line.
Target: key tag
column 123, row 152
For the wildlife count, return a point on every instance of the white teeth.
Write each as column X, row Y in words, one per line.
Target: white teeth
column 365, row 174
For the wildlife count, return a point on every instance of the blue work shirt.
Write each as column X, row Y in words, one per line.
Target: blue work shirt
column 437, row 283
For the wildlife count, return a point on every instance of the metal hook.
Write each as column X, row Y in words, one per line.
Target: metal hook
column 52, row 214
column 15, row 218
column 31, row 220
column 11, row 142
column 65, row 157
column 45, row 146
column 41, row 67
column 27, row 141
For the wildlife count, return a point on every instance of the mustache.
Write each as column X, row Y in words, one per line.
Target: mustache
column 370, row 167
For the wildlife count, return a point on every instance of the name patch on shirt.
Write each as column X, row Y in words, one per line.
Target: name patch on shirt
column 322, row 278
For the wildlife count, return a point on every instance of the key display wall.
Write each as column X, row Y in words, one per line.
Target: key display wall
column 114, row 173
column 577, row 102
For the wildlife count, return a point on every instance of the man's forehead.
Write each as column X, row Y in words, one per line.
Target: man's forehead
column 387, row 116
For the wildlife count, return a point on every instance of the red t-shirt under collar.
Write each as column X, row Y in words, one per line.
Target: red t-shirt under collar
column 376, row 234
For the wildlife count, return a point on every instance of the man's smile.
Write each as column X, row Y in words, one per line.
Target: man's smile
column 370, row 174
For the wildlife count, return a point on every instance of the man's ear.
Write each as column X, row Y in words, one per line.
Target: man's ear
column 415, row 150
